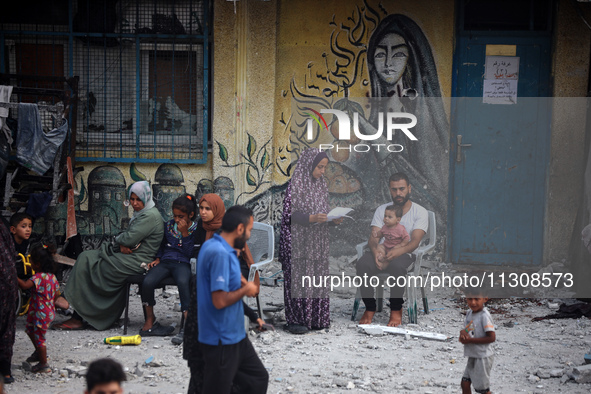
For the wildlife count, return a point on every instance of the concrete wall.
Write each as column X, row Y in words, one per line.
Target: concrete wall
column 243, row 90
column 572, row 42
column 268, row 54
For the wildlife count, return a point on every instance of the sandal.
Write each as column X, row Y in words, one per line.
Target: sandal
column 157, row 330
column 178, row 338
column 41, row 368
column 67, row 327
column 296, row 329
column 33, row 358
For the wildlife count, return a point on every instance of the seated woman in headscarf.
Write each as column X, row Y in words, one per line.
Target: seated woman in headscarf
column 96, row 287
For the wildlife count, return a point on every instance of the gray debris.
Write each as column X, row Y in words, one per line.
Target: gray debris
column 75, row 370
column 533, row 379
column 556, row 373
column 377, row 331
column 582, row 373
column 138, row 371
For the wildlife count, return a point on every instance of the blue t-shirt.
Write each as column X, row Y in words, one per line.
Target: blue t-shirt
column 218, row 268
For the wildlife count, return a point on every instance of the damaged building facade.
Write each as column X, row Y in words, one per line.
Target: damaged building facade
column 216, row 96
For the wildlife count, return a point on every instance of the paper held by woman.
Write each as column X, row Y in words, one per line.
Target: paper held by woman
column 338, row 212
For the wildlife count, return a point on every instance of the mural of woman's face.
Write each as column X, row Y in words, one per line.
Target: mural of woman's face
column 390, row 58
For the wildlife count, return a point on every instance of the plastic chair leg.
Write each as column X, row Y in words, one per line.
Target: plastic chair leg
column 425, row 301
column 260, row 310
column 356, row 305
column 411, row 293
column 126, row 318
column 412, row 313
column 19, row 302
column 380, row 298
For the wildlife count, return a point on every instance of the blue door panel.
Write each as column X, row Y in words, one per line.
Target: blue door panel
column 498, row 189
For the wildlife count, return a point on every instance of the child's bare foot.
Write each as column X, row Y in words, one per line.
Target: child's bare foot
column 395, row 318
column 367, row 317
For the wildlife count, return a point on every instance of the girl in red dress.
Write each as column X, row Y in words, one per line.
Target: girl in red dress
column 44, row 289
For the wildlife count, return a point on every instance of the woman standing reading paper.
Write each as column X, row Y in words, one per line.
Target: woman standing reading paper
column 304, row 244
column 96, row 288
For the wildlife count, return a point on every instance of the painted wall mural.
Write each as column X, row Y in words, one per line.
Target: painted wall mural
column 376, row 63
column 105, row 189
column 257, row 160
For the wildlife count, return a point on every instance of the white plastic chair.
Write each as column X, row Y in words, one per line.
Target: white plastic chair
column 262, row 246
column 427, row 245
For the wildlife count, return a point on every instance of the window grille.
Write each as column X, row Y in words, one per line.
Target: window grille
column 143, row 68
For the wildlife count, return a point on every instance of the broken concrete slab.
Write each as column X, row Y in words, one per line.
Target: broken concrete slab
column 376, row 331
column 582, row 373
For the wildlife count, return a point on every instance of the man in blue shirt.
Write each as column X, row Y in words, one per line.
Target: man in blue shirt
column 229, row 358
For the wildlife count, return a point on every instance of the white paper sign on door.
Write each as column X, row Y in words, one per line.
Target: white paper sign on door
column 502, row 67
column 500, row 91
column 500, row 80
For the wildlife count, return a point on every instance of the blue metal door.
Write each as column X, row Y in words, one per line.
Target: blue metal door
column 497, row 183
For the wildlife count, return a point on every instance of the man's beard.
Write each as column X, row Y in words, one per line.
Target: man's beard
column 240, row 243
column 400, row 201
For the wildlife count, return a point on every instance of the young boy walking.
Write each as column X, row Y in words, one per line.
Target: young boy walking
column 478, row 334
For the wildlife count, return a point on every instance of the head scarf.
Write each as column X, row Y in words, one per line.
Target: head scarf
column 319, row 157
column 218, row 209
column 143, row 191
column 308, row 194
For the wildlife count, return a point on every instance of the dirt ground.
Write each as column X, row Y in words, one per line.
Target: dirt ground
column 531, row 357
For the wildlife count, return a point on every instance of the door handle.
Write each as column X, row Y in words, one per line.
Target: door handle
column 459, row 148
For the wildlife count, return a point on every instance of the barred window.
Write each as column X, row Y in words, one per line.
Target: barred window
column 143, row 68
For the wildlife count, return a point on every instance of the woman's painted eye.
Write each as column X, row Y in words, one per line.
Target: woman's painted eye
column 400, row 54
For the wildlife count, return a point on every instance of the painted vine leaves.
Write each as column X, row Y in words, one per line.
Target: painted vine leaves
column 258, row 161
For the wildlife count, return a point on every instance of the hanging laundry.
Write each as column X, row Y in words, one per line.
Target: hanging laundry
column 35, row 149
column 5, row 92
column 38, row 204
column 5, row 133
